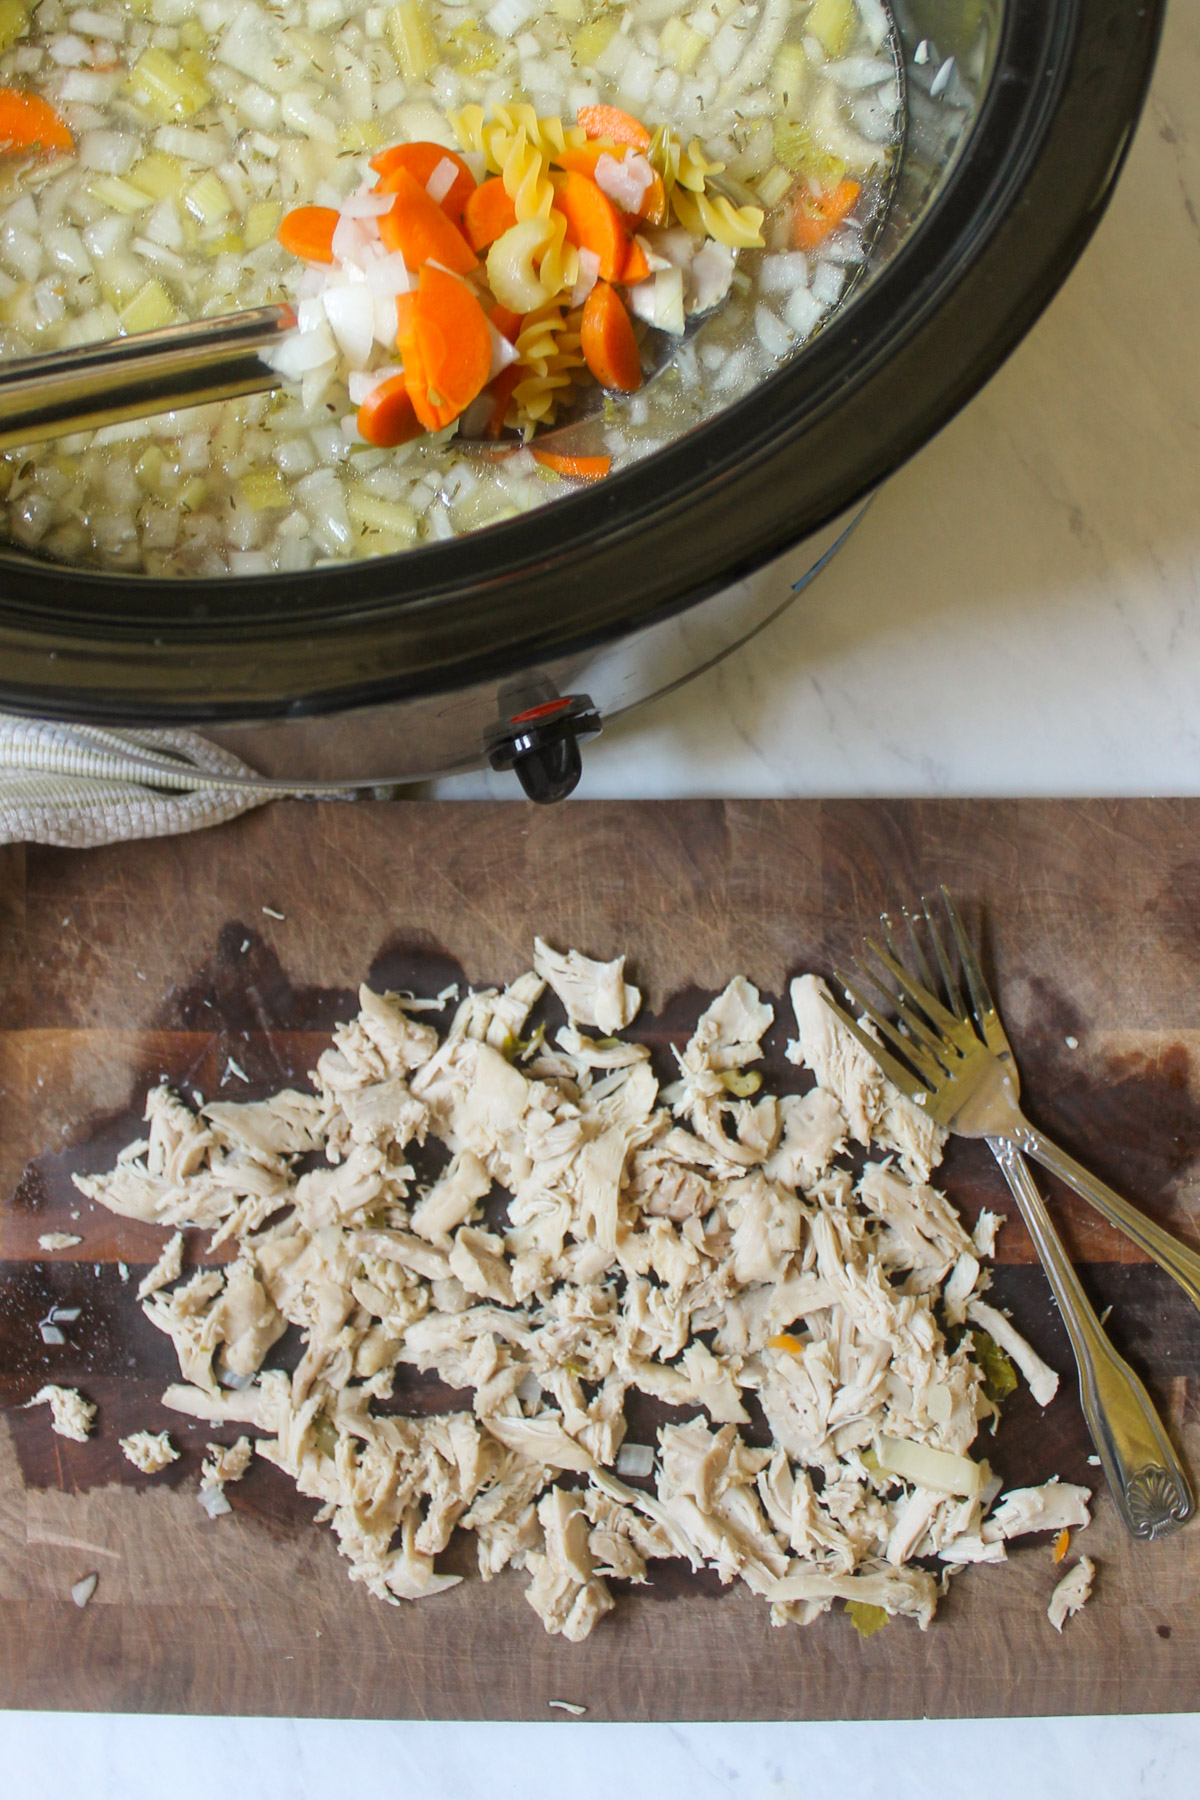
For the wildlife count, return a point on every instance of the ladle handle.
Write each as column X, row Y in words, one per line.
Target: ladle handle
column 133, row 377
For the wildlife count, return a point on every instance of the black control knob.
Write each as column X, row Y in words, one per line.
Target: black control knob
column 541, row 745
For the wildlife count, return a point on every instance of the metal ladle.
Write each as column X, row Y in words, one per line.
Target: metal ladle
column 149, row 372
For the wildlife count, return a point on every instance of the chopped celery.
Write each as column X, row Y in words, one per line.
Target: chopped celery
column 681, row 45
column 371, row 513
column 222, row 241
column 14, row 22
column 117, row 194
column 169, row 87
column 192, row 35
column 150, row 307
column 261, row 221
column 789, row 77
column 832, row 23
column 410, row 39
column 192, row 494
column 999, row 1376
column 593, row 39
column 207, row 199
column 159, row 175
column 866, row 1620
column 773, row 187
column 798, row 150
column 359, row 135
column 149, row 466
column 264, row 488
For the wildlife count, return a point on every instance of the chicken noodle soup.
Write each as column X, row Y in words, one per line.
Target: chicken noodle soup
column 176, row 139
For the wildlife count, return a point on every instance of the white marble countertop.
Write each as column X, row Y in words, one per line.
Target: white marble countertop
column 1017, row 615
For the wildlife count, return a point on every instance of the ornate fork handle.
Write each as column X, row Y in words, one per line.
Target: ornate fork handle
column 1181, row 1263
column 1143, row 1471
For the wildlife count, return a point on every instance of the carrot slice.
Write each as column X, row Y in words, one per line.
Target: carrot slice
column 307, row 231
column 421, row 159
column 611, row 122
column 654, row 203
column 579, row 468
column 820, row 210
column 448, row 360
column 387, row 416
column 26, row 121
column 406, row 318
column 419, row 229
column 606, row 338
column 507, row 322
column 636, row 266
column 501, row 391
column 489, row 213
column 583, row 161
column 593, row 222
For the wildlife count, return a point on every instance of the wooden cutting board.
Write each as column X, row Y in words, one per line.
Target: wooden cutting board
column 118, row 966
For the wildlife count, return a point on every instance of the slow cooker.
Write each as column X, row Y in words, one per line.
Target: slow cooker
column 514, row 644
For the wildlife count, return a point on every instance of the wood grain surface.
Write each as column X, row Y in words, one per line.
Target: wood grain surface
column 122, row 965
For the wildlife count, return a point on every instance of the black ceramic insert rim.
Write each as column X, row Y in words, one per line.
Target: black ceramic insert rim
column 876, row 384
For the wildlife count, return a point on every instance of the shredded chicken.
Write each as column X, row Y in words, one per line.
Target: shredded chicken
column 1072, row 1593
column 224, row 1463
column 149, row 1451
column 167, row 1269
column 71, row 1416
column 58, row 1240
column 584, row 1236
column 1043, row 1381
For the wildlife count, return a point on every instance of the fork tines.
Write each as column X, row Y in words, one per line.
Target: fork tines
column 932, row 1035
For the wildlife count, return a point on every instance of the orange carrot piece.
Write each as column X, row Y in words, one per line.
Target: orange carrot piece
column 820, row 210
column 451, row 349
column 387, row 416
column 583, row 160
column 307, row 231
column 579, row 468
column 1062, row 1544
column 654, row 203
column 419, row 229
column 27, row 121
column 636, row 266
column 606, row 338
column 593, row 222
column 501, row 391
column 611, row 122
column 507, row 322
column 406, row 315
column 489, row 213
column 421, row 159
column 785, row 1341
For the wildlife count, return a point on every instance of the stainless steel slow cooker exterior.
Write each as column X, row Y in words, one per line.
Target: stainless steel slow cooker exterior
column 512, row 644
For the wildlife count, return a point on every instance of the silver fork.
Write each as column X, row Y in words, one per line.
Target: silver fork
column 966, row 1079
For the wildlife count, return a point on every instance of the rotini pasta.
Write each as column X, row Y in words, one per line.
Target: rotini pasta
column 715, row 216
column 548, row 347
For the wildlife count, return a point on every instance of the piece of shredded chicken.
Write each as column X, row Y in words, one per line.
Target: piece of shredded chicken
column 71, row 1416
column 149, row 1451
column 223, row 1464
column 587, row 1236
column 1072, row 1593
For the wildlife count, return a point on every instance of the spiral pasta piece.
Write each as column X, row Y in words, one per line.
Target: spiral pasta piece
column 548, row 348
column 715, row 216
